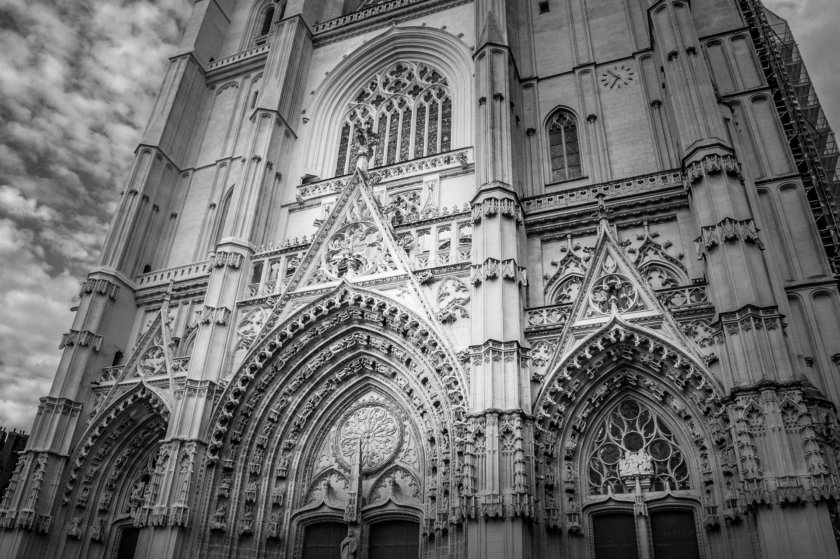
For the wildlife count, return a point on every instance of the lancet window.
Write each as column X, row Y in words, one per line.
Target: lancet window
column 409, row 106
column 564, row 147
column 265, row 18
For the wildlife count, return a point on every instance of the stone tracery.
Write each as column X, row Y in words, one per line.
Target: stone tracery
column 410, row 108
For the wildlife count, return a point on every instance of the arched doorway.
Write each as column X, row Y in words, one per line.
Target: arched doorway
column 127, row 546
column 640, row 486
column 323, row 540
column 395, row 539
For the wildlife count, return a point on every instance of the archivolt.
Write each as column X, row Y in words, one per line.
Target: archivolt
column 437, row 48
column 118, row 417
column 306, row 342
column 587, row 378
column 299, row 380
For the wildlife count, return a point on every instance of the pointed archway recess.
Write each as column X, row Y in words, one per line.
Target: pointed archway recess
column 619, row 343
column 132, row 408
column 276, row 406
column 621, row 357
column 122, row 435
column 406, row 336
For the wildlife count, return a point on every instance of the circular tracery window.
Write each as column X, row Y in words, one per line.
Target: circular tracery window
column 634, row 436
column 373, row 429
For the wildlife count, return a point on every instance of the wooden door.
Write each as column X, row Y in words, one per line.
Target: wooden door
column 394, row 540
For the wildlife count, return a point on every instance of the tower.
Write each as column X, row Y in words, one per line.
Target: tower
column 443, row 278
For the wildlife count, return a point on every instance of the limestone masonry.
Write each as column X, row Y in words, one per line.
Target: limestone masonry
column 450, row 278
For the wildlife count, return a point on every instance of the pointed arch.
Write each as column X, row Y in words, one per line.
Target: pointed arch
column 620, row 344
column 308, row 375
column 106, row 460
column 563, row 132
column 424, row 45
column 623, row 360
column 134, row 407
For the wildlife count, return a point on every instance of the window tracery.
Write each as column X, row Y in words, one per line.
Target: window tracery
column 410, row 108
column 634, row 440
column 564, row 147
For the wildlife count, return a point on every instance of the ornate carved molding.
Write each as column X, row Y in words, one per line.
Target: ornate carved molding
column 226, row 258
column 81, row 338
column 99, row 286
column 728, row 230
column 748, row 318
column 494, row 268
column 217, row 315
column 491, row 207
column 710, row 165
column 60, row 406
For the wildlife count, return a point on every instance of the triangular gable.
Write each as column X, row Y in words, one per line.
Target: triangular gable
column 151, row 357
column 355, row 244
column 613, row 287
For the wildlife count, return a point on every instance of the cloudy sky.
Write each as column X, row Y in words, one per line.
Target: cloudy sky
column 77, row 80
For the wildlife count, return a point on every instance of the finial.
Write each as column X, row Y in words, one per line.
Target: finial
column 603, row 212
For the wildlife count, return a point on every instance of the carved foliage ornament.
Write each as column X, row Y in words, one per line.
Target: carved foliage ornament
column 453, row 299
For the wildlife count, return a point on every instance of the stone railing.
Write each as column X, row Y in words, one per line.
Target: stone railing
column 256, row 51
column 438, row 162
column 190, row 271
column 684, row 297
column 180, row 365
column 255, row 290
column 546, row 317
column 362, row 15
column 588, row 194
column 301, row 243
column 110, row 374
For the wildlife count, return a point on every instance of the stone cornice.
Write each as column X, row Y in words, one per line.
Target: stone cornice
column 377, row 17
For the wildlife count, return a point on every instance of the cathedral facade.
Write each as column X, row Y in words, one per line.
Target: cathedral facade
column 452, row 278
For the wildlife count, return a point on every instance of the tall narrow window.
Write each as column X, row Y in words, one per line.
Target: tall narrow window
column 266, row 25
column 564, row 147
column 410, row 108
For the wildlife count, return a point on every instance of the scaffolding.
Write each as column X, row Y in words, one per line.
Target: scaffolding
column 806, row 128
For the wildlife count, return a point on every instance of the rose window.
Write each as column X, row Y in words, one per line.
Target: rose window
column 354, row 250
column 613, row 290
column 633, row 441
column 379, row 432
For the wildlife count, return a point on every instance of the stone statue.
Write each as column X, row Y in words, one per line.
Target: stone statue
column 349, row 545
column 366, row 141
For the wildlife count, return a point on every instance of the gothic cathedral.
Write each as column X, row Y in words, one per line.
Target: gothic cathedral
column 457, row 278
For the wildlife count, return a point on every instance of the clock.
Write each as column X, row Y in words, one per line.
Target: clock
column 617, row 77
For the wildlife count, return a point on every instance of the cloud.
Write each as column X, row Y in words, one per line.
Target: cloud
column 78, row 83
column 16, row 205
column 35, row 303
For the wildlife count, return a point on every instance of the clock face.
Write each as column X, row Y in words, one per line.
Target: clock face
column 617, row 77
